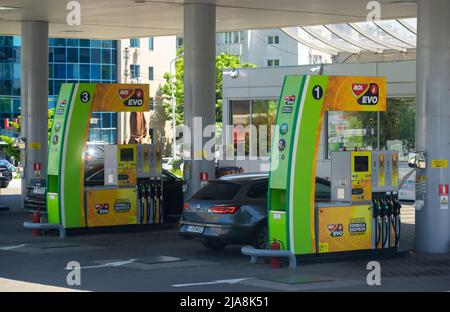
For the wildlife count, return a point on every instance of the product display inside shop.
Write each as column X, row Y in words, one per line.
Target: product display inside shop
column 122, row 185
column 364, row 211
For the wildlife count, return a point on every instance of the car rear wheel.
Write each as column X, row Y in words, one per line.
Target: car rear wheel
column 260, row 238
column 214, row 245
column 4, row 184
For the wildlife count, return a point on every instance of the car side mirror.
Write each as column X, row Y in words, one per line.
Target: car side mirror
column 417, row 160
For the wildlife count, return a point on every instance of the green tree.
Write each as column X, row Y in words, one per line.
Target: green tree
column 50, row 114
column 223, row 61
column 10, row 150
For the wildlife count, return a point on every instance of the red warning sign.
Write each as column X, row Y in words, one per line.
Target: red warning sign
column 203, row 176
column 443, row 189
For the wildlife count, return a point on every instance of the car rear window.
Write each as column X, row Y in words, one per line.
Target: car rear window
column 215, row 190
column 259, row 190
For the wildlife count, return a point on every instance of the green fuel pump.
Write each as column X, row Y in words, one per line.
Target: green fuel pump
column 349, row 221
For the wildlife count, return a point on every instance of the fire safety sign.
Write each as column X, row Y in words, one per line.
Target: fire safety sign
column 443, row 196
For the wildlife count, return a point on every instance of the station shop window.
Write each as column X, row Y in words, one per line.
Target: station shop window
column 253, row 121
column 398, row 126
column 263, row 118
column 360, row 129
column 352, row 130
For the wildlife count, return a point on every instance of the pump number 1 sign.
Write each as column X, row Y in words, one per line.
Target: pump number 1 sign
column 443, row 196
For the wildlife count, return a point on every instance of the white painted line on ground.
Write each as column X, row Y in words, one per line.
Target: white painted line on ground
column 7, row 248
column 110, row 264
column 227, row 281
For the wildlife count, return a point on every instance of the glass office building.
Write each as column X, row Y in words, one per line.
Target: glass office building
column 70, row 60
column 9, row 81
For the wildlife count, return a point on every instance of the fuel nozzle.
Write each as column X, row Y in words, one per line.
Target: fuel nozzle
column 396, row 205
column 375, row 205
column 389, row 206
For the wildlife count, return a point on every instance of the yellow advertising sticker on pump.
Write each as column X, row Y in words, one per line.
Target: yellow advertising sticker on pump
column 345, row 228
column 439, row 164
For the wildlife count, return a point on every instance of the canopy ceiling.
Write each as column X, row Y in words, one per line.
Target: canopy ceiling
column 115, row 19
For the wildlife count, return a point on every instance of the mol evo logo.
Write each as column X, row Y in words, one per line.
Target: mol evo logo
column 335, row 230
column 366, row 93
column 132, row 97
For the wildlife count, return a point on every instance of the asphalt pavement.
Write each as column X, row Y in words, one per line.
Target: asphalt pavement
column 160, row 260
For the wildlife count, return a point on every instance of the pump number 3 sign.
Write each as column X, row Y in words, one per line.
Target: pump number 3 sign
column 85, row 96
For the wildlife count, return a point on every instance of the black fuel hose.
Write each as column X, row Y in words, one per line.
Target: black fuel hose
column 376, row 216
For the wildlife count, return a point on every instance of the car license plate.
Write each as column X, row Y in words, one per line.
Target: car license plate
column 195, row 229
column 39, row 190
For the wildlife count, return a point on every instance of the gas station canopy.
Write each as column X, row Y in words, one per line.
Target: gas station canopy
column 115, row 19
column 377, row 37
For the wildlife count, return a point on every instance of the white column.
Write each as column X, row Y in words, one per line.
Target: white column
column 34, row 96
column 433, row 120
column 199, row 84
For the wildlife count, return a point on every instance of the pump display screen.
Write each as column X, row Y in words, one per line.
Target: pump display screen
column 126, row 154
column 361, row 163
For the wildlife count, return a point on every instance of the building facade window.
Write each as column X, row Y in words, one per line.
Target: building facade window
column 135, row 71
column 70, row 61
column 273, row 62
column 151, row 133
column 180, row 42
column 232, row 37
column 273, row 39
column 150, row 73
column 135, row 43
column 152, row 103
column 151, row 43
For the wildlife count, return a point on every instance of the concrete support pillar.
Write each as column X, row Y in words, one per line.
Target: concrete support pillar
column 34, row 97
column 433, row 121
column 199, row 86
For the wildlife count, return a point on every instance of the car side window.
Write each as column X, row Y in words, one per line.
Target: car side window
column 259, row 190
column 323, row 192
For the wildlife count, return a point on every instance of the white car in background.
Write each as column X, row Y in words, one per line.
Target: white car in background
column 167, row 163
